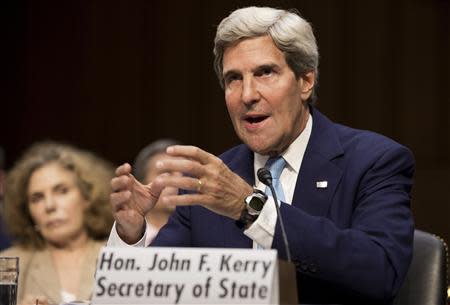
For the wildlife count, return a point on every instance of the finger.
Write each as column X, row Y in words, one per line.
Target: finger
column 186, row 199
column 189, row 167
column 191, row 152
column 119, row 199
column 180, row 182
column 124, row 169
column 155, row 189
column 120, row 183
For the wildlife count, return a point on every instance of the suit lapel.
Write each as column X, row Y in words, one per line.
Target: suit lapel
column 43, row 276
column 242, row 164
column 43, row 279
column 89, row 265
column 317, row 168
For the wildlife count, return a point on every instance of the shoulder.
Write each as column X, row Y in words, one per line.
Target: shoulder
column 355, row 145
column 25, row 255
column 93, row 250
column 16, row 251
column 371, row 155
column 364, row 143
column 96, row 245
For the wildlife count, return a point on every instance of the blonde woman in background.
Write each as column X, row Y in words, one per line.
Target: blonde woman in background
column 57, row 211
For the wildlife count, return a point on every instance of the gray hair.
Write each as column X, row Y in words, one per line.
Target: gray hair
column 141, row 161
column 291, row 33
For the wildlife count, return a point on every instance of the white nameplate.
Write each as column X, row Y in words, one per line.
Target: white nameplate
column 186, row 276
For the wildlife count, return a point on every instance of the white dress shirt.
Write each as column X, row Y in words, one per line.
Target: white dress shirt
column 114, row 239
column 263, row 229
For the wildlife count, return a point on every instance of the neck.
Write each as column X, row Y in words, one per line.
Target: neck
column 303, row 120
column 73, row 244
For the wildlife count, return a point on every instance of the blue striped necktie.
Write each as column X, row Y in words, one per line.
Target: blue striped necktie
column 275, row 166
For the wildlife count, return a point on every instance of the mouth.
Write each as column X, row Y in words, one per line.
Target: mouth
column 54, row 223
column 254, row 119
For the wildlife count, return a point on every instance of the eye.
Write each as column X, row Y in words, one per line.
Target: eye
column 231, row 77
column 264, row 71
column 62, row 189
column 35, row 198
column 267, row 71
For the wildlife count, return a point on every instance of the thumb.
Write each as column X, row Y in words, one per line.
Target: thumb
column 156, row 188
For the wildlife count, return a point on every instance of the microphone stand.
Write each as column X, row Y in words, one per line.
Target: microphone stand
column 283, row 230
column 265, row 177
column 287, row 270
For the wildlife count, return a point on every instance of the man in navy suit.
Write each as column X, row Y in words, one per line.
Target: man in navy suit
column 346, row 192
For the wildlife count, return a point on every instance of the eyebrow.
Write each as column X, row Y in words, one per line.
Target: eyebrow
column 266, row 66
column 54, row 187
column 256, row 69
column 61, row 185
column 33, row 194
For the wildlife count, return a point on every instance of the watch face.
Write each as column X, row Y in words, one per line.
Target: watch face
column 256, row 204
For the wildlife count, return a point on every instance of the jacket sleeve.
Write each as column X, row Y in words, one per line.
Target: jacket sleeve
column 177, row 232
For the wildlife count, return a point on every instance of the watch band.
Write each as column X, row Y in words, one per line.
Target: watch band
column 249, row 214
column 245, row 219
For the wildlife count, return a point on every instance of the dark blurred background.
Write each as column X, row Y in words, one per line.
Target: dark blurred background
column 112, row 76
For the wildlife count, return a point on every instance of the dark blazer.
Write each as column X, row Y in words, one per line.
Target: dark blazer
column 352, row 241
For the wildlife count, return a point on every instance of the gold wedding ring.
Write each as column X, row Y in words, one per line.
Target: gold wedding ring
column 199, row 186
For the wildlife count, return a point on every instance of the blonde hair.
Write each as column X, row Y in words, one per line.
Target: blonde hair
column 93, row 176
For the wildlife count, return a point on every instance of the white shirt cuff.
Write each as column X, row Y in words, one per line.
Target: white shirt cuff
column 263, row 229
column 114, row 239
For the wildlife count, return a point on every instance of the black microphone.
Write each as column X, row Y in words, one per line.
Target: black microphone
column 265, row 177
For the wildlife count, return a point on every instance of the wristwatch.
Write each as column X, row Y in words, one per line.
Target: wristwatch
column 253, row 206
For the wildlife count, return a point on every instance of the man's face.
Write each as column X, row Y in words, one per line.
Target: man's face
column 266, row 103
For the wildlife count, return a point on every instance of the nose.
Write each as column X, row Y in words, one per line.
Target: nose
column 50, row 204
column 250, row 94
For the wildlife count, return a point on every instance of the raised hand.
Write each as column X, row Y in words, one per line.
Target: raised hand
column 130, row 201
column 216, row 187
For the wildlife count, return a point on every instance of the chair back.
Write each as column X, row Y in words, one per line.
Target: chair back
column 426, row 280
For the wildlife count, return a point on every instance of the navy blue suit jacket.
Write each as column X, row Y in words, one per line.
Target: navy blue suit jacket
column 352, row 241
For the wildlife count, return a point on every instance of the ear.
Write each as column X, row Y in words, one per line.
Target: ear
column 306, row 83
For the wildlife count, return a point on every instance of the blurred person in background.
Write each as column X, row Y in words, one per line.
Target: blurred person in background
column 5, row 241
column 145, row 171
column 57, row 211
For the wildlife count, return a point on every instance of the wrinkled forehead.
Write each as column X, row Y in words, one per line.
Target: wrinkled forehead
column 252, row 52
column 49, row 175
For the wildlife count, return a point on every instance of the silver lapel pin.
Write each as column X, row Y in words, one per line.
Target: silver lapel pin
column 322, row 184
